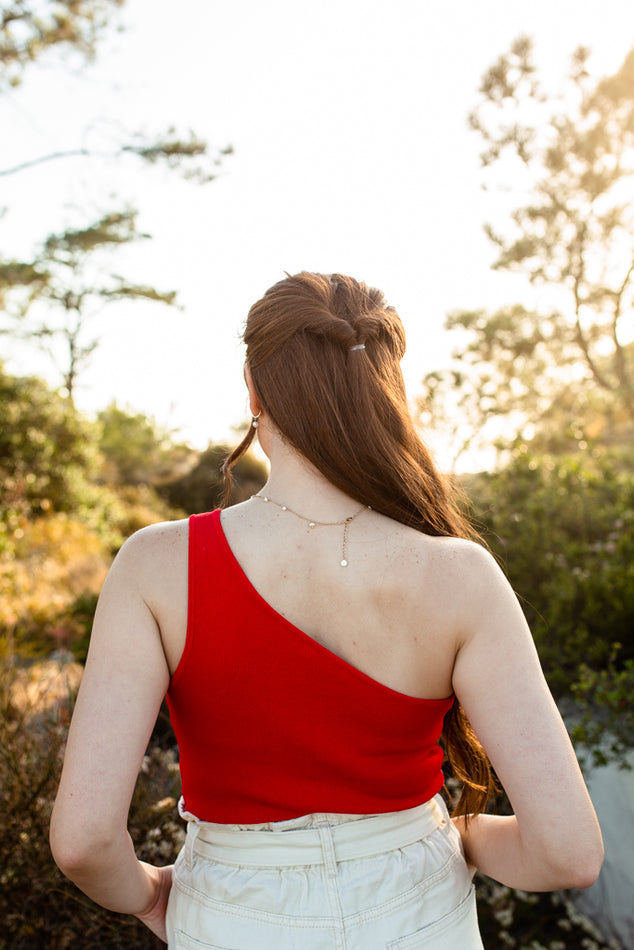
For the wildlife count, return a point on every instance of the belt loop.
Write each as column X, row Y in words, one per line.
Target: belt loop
column 328, row 848
column 441, row 804
column 188, row 850
column 193, row 827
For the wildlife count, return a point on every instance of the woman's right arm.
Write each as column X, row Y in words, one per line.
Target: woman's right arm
column 553, row 839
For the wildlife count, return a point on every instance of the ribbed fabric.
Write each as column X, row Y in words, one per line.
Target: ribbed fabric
column 271, row 725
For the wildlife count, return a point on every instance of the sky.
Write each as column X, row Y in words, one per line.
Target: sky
column 352, row 154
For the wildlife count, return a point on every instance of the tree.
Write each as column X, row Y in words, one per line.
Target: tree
column 28, row 29
column 187, row 154
column 569, row 360
column 61, row 277
column 64, row 278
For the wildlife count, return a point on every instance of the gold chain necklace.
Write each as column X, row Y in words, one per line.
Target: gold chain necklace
column 346, row 522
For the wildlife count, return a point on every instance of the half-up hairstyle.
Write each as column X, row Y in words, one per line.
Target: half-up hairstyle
column 324, row 353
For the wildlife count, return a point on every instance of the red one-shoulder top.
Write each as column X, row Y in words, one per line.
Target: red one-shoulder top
column 271, row 724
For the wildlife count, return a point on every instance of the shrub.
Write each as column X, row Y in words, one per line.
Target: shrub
column 55, row 561
column 563, row 529
column 39, row 908
column 136, row 450
column 605, row 713
column 47, row 449
column 202, row 487
column 526, row 921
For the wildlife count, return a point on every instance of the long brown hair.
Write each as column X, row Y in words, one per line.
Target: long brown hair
column 324, row 354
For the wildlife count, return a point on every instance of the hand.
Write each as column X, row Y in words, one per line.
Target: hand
column 154, row 916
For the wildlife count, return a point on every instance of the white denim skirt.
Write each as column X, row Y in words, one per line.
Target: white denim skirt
column 396, row 881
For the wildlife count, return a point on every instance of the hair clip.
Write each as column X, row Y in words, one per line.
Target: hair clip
column 358, row 346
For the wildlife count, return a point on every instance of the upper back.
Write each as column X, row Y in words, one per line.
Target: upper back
column 391, row 612
column 396, row 612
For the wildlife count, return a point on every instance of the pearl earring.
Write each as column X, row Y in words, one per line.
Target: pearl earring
column 255, row 419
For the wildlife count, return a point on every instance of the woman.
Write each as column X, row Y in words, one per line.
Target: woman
column 311, row 641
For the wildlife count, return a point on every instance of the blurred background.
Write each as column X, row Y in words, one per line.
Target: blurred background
column 160, row 167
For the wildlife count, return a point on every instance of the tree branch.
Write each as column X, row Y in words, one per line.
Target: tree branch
column 579, row 334
column 622, row 368
column 69, row 153
column 171, row 150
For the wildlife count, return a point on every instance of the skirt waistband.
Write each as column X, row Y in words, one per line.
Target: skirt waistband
column 357, row 838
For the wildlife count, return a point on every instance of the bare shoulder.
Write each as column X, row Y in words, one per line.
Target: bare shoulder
column 459, row 553
column 474, row 574
column 457, row 560
column 459, row 577
column 155, row 558
column 155, row 541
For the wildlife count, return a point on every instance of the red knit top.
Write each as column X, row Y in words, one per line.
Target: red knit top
column 272, row 725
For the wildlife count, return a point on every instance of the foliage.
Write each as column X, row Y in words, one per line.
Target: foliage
column 563, row 528
column 29, row 29
column 202, row 488
column 38, row 906
column 604, row 699
column 47, row 451
column 51, row 297
column 186, row 154
column 56, row 561
column 70, row 280
column 510, row 918
column 136, row 450
column 50, row 463
column 59, row 527
column 565, row 364
column 576, row 232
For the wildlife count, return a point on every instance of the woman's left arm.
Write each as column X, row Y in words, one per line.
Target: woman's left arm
column 123, row 685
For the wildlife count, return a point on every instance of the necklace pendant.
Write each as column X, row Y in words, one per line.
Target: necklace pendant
column 346, row 522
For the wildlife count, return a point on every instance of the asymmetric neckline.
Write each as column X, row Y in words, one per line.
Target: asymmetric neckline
column 304, row 637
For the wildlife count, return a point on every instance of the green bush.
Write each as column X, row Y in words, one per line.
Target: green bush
column 202, row 487
column 47, row 449
column 135, row 450
column 606, row 715
column 563, row 529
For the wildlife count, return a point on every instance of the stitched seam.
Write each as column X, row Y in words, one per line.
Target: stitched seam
column 438, row 927
column 235, row 910
column 414, row 893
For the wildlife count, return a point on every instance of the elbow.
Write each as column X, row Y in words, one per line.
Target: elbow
column 578, row 878
column 587, row 872
column 70, row 855
column 75, row 853
column 584, row 881
column 581, row 870
column 590, row 860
